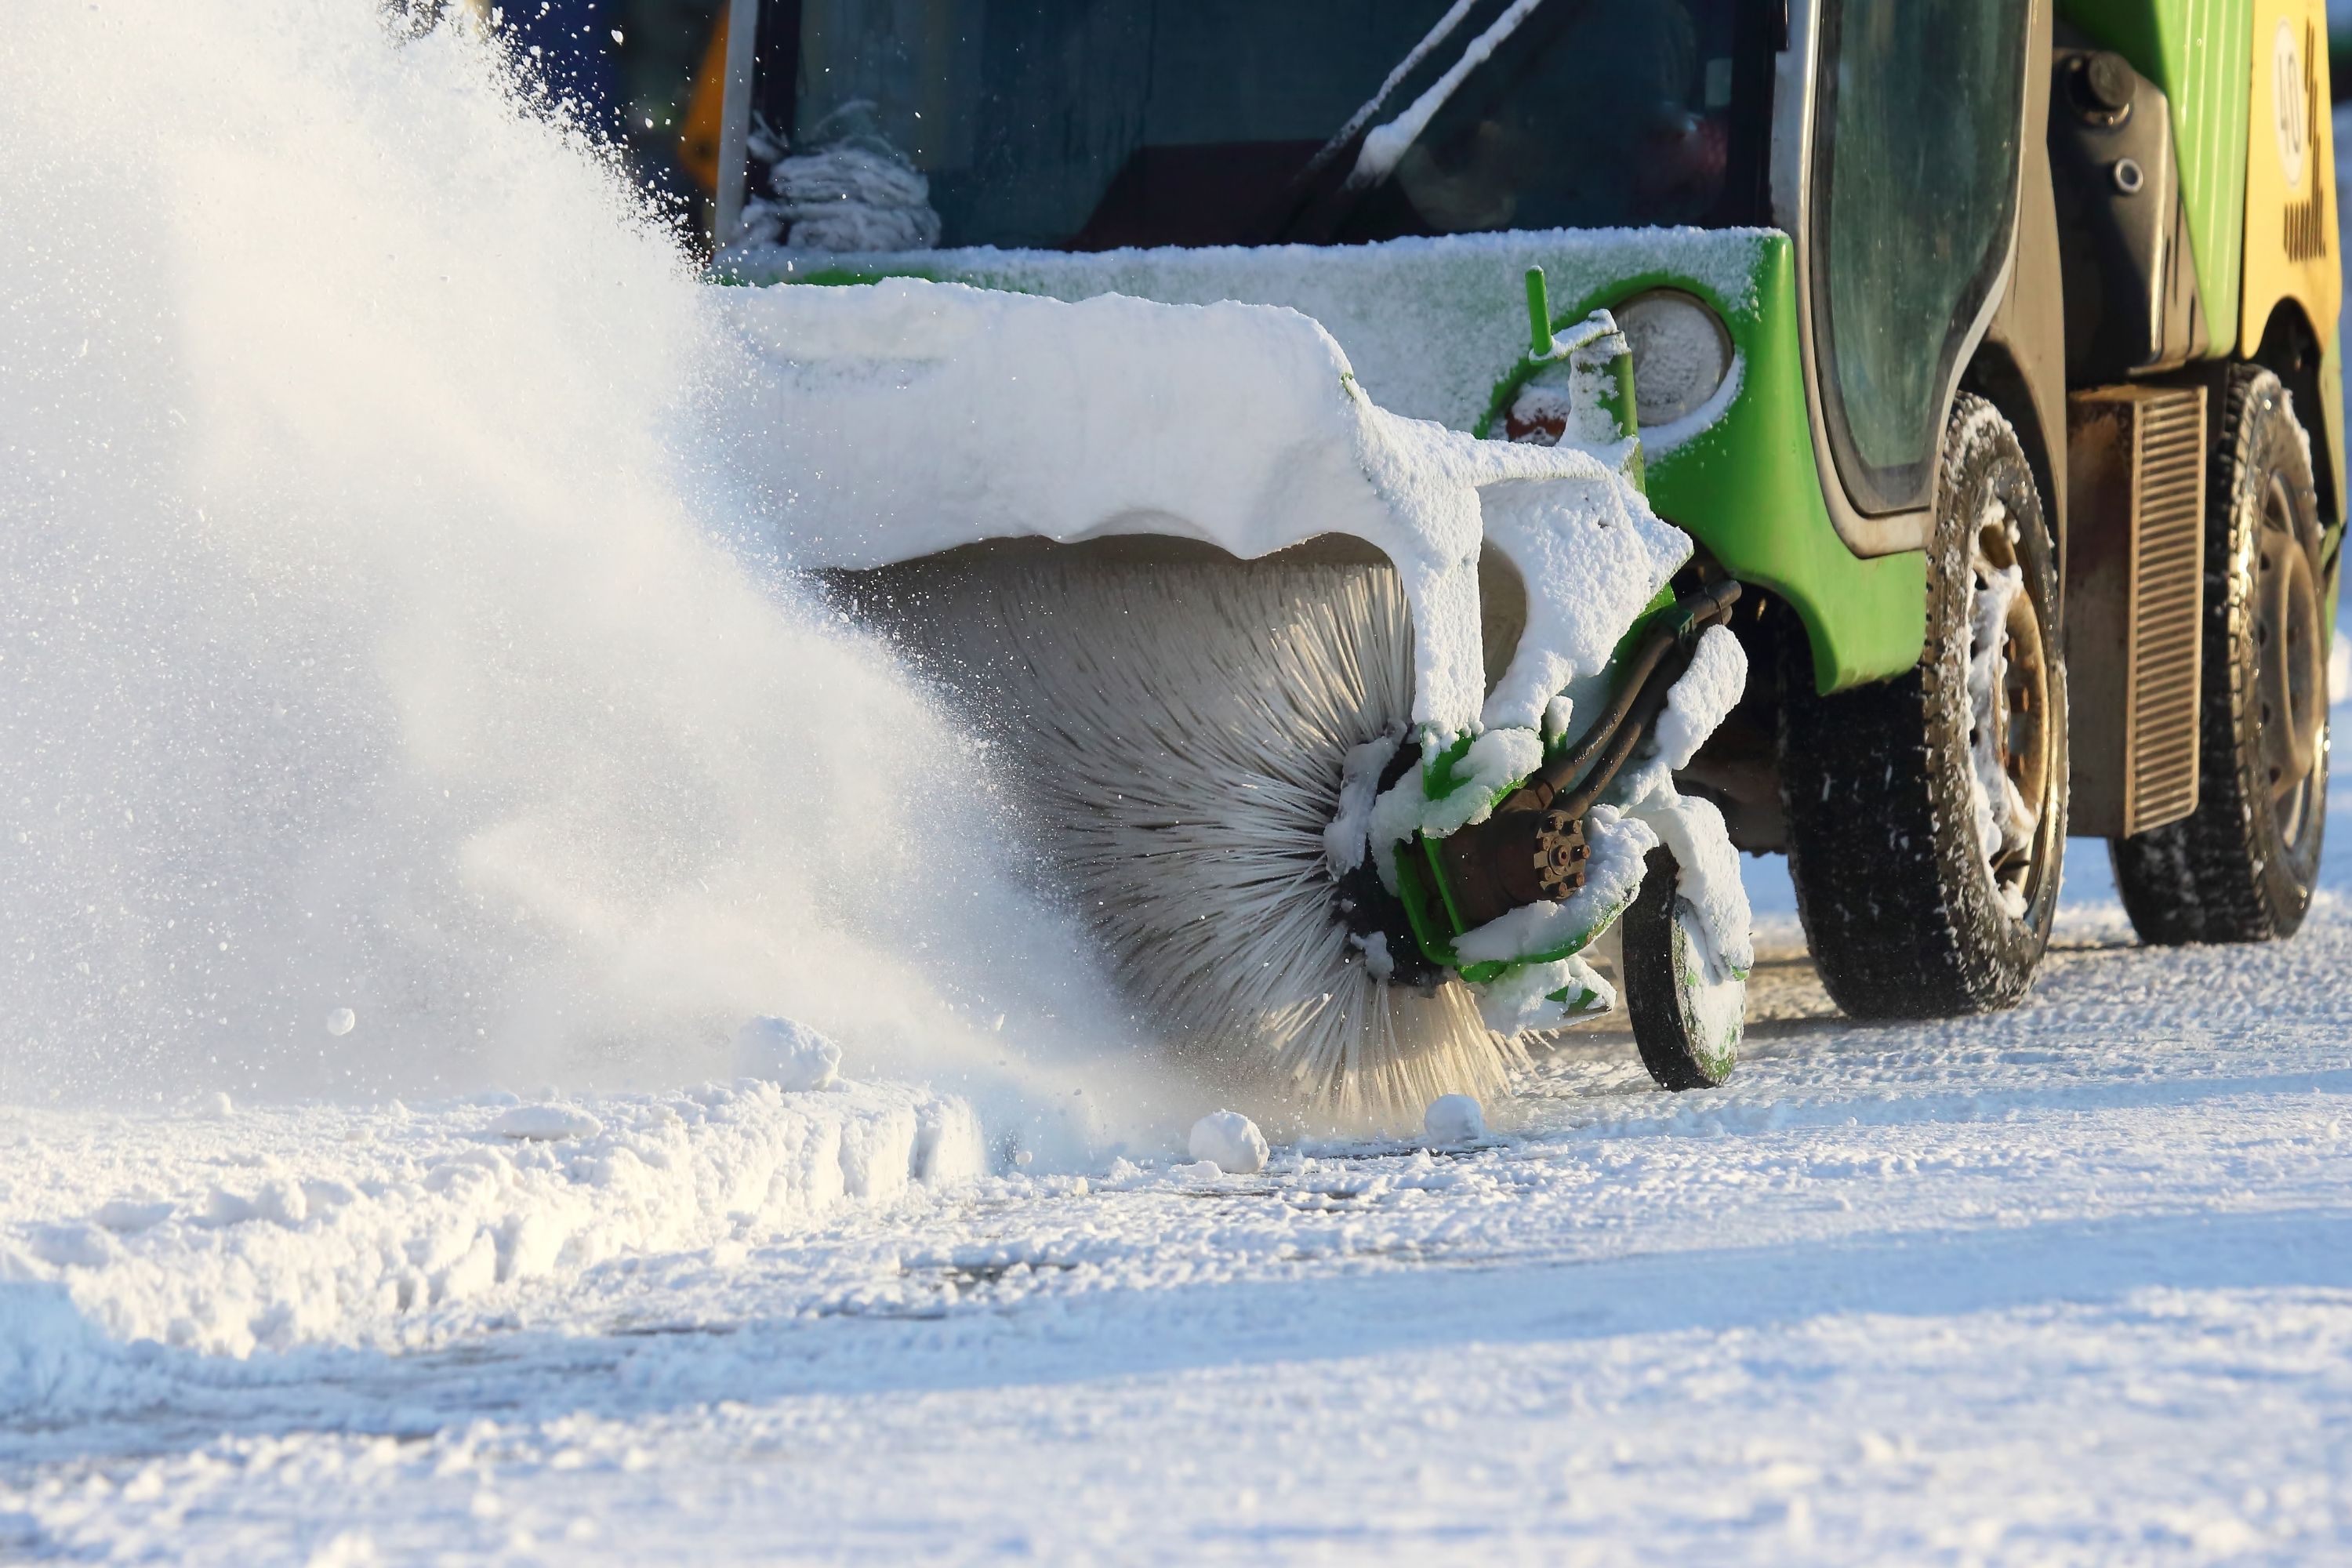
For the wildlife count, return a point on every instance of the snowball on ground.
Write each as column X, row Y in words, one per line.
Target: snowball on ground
column 1229, row 1140
column 1453, row 1119
column 786, row 1053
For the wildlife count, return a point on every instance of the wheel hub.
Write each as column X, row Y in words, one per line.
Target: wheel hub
column 2009, row 688
column 2290, row 667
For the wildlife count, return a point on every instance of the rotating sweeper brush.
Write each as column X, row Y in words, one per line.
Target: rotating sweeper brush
column 1181, row 724
column 1197, row 741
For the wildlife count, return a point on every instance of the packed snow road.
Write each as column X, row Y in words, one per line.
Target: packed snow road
column 2072, row 1283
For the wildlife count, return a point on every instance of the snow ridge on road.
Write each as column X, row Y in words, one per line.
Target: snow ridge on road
column 265, row 1230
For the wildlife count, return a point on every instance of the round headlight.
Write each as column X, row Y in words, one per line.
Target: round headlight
column 1681, row 353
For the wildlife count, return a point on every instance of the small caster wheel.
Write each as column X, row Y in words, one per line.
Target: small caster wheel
column 1687, row 1012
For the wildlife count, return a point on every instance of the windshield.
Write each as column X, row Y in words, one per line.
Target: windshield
column 1090, row 124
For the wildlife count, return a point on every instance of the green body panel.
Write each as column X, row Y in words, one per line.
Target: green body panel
column 1748, row 488
column 2198, row 51
column 1439, row 330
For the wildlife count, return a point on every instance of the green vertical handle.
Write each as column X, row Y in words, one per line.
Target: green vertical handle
column 1538, row 316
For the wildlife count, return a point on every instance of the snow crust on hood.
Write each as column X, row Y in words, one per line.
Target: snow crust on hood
column 1429, row 323
column 901, row 418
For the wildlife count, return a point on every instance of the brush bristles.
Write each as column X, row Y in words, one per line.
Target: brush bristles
column 1178, row 730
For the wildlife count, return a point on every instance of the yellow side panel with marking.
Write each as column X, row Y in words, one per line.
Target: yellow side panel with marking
column 2293, row 244
column 2291, row 234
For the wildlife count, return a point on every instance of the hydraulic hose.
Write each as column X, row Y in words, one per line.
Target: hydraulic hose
column 1532, row 848
column 1611, row 738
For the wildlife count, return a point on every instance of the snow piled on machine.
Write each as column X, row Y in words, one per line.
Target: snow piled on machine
column 1426, row 321
column 897, row 419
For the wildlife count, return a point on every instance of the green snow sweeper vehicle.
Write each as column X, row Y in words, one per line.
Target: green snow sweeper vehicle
column 1986, row 348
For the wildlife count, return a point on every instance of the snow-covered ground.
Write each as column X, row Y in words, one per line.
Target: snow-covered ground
column 2069, row 1284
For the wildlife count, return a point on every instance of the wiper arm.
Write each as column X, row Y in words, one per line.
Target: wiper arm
column 1346, row 134
column 1317, row 205
column 1387, row 143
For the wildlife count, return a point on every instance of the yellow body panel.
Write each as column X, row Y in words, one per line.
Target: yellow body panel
column 2291, row 234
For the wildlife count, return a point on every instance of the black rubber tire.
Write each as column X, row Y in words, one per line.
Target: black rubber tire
column 1897, row 898
column 1663, row 999
column 2225, row 873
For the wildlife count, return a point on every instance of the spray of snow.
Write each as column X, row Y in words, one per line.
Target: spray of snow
column 371, row 641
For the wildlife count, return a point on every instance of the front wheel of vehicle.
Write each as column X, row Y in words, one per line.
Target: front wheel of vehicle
column 1928, row 814
column 1687, row 1012
column 2241, row 867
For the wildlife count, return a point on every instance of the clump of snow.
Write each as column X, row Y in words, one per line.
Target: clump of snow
column 1616, row 845
column 1345, row 839
column 786, row 1053
column 1229, row 1140
column 1533, row 997
column 1494, row 764
column 1700, row 698
column 1453, row 1119
column 545, row 1123
column 52, row 1357
column 1590, row 571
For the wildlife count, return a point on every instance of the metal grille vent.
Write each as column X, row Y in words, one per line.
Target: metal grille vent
column 2168, row 563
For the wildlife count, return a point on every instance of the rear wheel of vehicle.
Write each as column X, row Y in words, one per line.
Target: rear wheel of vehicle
column 2241, row 867
column 1687, row 1012
column 1928, row 814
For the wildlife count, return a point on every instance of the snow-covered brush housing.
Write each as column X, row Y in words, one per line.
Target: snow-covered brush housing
column 1183, row 721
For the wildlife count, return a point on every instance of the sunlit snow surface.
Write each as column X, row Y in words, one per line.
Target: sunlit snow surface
column 2072, row 1283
